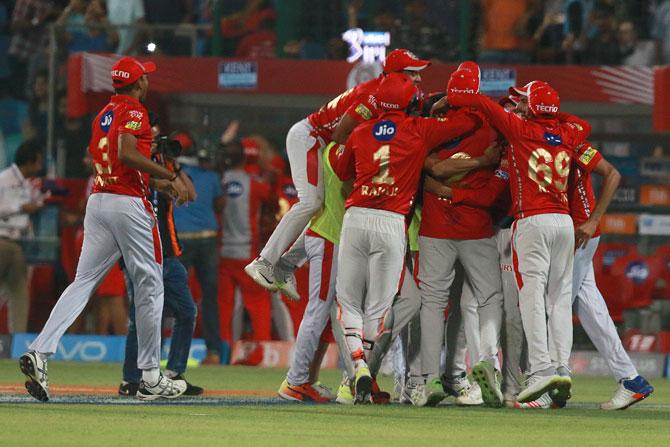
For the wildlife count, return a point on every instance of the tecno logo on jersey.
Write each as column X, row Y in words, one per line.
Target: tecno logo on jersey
column 546, row 109
column 384, row 130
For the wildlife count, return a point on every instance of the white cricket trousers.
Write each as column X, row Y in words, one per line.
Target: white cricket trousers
column 589, row 304
column 370, row 265
column 322, row 256
column 437, row 258
column 513, row 340
column 543, row 253
column 305, row 152
column 115, row 226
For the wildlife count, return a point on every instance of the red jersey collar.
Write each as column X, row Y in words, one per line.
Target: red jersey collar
column 126, row 98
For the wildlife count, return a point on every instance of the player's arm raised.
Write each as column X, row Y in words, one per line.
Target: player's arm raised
column 611, row 180
column 509, row 124
column 448, row 167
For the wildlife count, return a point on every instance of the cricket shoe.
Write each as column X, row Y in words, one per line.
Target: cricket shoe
column 286, row 284
column 629, row 393
column 163, row 389
column 379, row 397
column 488, row 378
column 262, row 272
column 323, row 390
column 429, row 394
column 563, row 391
column 35, row 370
column 456, row 386
column 363, row 386
column 544, row 402
column 536, row 386
column 345, row 395
column 191, row 390
column 128, row 389
column 300, row 393
column 471, row 397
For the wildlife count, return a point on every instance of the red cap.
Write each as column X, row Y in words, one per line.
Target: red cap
column 401, row 59
column 463, row 81
column 543, row 100
column 512, row 99
column 251, row 149
column 128, row 70
column 523, row 91
column 395, row 92
column 472, row 66
column 185, row 140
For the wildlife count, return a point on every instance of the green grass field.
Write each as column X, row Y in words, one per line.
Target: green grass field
column 239, row 421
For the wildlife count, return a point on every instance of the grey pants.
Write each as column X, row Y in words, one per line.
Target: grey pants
column 115, row 226
column 480, row 261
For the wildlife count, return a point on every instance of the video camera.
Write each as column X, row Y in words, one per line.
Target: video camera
column 168, row 147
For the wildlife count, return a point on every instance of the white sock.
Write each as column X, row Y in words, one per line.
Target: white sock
column 151, row 376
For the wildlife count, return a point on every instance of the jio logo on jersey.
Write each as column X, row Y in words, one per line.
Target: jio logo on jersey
column 234, row 189
column 637, row 271
column 106, row 121
column 384, row 130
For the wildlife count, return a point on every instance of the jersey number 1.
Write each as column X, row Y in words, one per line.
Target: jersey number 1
column 383, row 154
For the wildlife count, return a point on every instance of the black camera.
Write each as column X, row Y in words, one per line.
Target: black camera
column 168, row 147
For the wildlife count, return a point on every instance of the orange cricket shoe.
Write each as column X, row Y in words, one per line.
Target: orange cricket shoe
column 300, row 393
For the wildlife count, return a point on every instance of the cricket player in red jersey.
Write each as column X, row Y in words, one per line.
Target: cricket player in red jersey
column 459, row 232
column 119, row 222
column 385, row 156
column 588, row 302
column 541, row 148
column 304, row 144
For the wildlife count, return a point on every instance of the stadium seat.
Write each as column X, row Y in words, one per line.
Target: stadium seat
column 663, row 255
column 640, row 272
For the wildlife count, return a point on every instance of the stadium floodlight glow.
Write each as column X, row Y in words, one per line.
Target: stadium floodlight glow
column 151, row 47
column 368, row 45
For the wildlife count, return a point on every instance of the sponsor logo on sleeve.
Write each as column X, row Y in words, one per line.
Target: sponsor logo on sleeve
column 136, row 114
column 363, row 111
column 504, row 175
column 384, row 130
column 588, row 155
column 133, row 125
column 106, row 121
column 234, row 189
column 637, row 271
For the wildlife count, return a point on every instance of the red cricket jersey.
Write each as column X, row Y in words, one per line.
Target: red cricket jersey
column 386, row 156
column 357, row 102
column 445, row 219
column 580, row 187
column 122, row 115
column 540, row 153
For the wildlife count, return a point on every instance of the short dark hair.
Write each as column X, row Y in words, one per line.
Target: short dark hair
column 28, row 152
column 125, row 90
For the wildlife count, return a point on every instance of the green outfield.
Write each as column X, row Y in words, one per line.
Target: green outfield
column 241, row 410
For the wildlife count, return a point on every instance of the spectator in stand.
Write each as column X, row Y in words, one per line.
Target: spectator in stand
column 261, row 42
column 198, row 228
column 240, row 222
column 38, row 110
column 236, row 26
column 29, row 41
column 504, row 37
column 602, row 47
column 421, row 36
column 84, row 27
column 548, row 22
column 126, row 13
column 19, row 199
column 633, row 51
column 72, row 137
column 661, row 33
column 175, row 12
column 5, row 38
column 319, row 30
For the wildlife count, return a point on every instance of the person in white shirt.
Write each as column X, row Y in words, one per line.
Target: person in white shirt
column 124, row 13
column 18, row 200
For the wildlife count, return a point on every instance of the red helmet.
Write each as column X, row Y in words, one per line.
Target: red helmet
column 543, row 99
column 401, row 59
column 463, row 81
column 523, row 91
column 395, row 92
column 472, row 66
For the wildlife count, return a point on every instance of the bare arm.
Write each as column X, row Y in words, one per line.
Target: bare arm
column 436, row 187
column 449, row 167
column 344, row 128
column 611, row 179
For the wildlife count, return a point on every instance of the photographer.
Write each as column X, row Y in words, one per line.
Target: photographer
column 18, row 200
column 177, row 295
column 198, row 227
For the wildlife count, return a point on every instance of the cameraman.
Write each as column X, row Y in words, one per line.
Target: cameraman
column 177, row 295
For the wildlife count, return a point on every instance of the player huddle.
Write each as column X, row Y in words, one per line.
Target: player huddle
column 397, row 192
column 395, row 189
